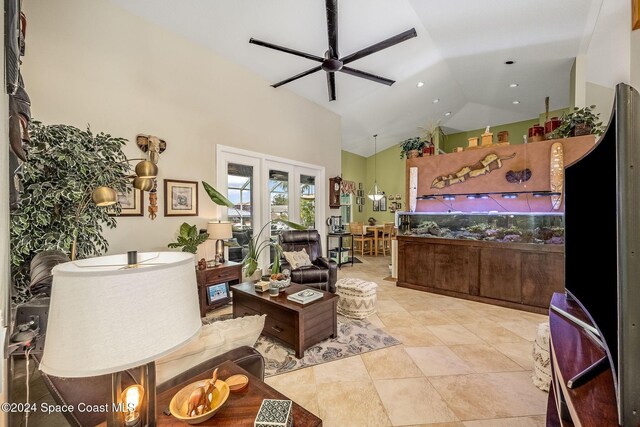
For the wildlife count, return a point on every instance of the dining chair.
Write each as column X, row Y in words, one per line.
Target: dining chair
column 387, row 234
column 359, row 236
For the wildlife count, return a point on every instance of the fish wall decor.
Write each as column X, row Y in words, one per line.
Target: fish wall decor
column 490, row 163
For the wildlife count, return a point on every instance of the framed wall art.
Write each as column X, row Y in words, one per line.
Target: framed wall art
column 131, row 203
column 383, row 203
column 376, row 205
column 180, row 198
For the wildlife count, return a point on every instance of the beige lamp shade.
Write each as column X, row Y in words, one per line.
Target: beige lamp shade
column 219, row 230
column 105, row 318
column 146, row 169
column 144, row 184
column 104, row 196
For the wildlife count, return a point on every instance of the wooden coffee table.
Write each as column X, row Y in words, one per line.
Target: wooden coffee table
column 296, row 325
column 241, row 408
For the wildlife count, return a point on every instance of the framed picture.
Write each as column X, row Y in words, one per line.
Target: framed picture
column 217, row 293
column 360, row 186
column 391, row 197
column 131, row 203
column 383, row 203
column 376, row 205
column 360, row 192
column 180, row 198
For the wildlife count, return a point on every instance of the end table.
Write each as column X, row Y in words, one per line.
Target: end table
column 223, row 275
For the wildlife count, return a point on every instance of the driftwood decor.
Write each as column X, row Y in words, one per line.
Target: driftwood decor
column 490, row 162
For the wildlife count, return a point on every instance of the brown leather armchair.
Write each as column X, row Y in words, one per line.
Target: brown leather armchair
column 96, row 390
column 322, row 274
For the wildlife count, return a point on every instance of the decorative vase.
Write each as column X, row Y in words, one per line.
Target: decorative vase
column 412, row 154
column 254, row 277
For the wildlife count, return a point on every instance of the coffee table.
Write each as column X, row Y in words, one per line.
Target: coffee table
column 241, row 407
column 296, row 325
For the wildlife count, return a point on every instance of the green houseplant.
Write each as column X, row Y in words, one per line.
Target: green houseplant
column 64, row 165
column 581, row 121
column 189, row 239
column 411, row 147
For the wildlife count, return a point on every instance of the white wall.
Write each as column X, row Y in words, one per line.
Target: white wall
column 92, row 62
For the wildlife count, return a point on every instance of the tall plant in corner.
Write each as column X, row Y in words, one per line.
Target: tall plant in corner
column 256, row 245
column 63, row 167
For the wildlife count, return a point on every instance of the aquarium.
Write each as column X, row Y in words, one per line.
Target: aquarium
column 530, row 227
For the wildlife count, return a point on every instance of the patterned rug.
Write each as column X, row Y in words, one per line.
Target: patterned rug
column 354, row 337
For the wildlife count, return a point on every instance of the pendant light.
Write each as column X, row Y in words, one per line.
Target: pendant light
column 375, row 193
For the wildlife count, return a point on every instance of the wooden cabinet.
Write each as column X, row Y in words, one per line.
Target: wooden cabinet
column 229, row 273
column 515, row 275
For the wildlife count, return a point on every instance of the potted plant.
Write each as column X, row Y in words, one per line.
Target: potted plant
column 189, row 239
column 433, row 136
column 411, row 148
column 581, row 121
column 64, row 165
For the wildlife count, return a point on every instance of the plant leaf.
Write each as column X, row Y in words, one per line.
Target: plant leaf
column 291, row 224
column 217, row 197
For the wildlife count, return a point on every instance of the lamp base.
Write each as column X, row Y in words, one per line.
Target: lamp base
column 115, row 418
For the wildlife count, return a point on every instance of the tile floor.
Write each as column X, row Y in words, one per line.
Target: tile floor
column 461, row 363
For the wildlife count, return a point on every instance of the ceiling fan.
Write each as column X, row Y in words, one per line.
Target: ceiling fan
column 331, row 61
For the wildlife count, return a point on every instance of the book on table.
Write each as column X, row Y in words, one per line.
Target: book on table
column 305, row 296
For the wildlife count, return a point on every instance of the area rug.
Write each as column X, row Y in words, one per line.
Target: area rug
column 354, row 337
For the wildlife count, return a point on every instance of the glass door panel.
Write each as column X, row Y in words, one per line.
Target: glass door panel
column 240, row 192
column 308, row 201
column 278, row 199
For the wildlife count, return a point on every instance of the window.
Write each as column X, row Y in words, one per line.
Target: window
column 239, row 191
column 278, row 198
column 308, row 201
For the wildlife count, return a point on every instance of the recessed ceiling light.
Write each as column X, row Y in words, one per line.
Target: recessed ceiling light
column 516, row 102
column 513, row 85
column 435, row 101
column 509, row 62
column 420, row 84
column 448, row 113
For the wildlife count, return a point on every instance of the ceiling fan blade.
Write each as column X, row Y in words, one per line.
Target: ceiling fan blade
column 286, row 50
column 398, row 38
column 368, row 76
column 297, row 76
column 332, row 27
column 331, row 85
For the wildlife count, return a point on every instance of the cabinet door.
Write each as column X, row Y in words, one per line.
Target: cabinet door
column 415, row 262
column 500, row 274
column 542, row 275
column 452, row 268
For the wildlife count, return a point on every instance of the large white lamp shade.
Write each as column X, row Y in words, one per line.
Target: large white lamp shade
column 105, row 318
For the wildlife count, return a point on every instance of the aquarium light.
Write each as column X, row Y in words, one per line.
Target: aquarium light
column 448, row 197
column 482, row 196
column 472, row 196
column 509, row 196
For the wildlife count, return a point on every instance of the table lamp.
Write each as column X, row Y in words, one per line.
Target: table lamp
column 108, row 315
column 219, row 231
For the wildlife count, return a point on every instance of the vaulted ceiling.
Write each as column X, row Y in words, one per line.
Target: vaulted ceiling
column 459, row 55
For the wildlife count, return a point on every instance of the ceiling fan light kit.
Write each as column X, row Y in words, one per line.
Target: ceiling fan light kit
column 332, row 63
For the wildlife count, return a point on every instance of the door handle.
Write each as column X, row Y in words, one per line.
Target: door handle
column 277, row 329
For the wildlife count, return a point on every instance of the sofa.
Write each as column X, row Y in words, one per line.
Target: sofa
column 96, row 390
column 322, row 273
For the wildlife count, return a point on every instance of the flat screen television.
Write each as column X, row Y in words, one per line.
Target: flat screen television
column 602, row 245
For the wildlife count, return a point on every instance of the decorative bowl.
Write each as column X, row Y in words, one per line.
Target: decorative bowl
column 180, row 402
column 280, row 284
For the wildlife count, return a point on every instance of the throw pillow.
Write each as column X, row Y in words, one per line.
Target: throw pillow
column 214, row 339
column 297, row 259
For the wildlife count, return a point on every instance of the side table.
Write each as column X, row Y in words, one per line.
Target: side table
column 223, row 275
column 341, row 246
column 241, row 408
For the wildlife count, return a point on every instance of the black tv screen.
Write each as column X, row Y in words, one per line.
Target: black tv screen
column 602, row 245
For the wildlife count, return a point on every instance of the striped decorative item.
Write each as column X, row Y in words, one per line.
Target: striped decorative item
column 357, row 298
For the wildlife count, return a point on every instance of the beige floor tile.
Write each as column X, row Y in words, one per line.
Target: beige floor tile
column 398, row 398
column 523, row 328
column 349, row 369
column 391, row 305
column 456, row 424
column 412, row 336
column 432, row 317
column 494, row 395
column 484, row 358
column 462, row 315
column 454, row 334
column 304, row 395
column 301, row 376
column 392, row 362
column 398, row 318
column 492, row 332
column 520, row 352
column 438, row 360
column 537, row 421
column 351, row 404
column 375, row 321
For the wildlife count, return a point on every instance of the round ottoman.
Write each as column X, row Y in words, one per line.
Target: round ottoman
column 541, row 360
column 357, row 298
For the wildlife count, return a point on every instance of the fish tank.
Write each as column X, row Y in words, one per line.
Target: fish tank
column 545, row 228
